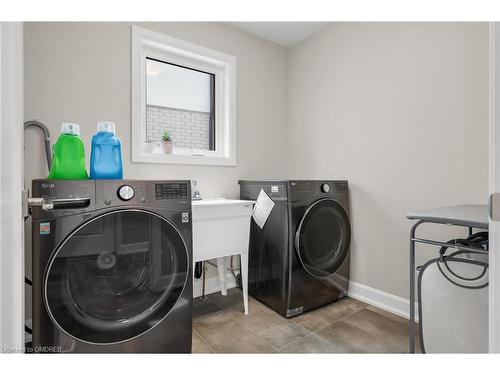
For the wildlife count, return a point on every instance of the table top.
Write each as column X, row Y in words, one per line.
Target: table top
column 470, row 215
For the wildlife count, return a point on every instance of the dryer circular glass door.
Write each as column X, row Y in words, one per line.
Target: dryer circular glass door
column 323, row 237
column 116, row 276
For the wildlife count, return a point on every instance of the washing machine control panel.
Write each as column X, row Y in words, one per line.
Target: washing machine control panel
column 126, row 192
column 171, row 190
column 173, row 194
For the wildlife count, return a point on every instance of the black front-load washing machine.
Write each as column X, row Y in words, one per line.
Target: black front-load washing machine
column 112, row 266
column 299, row 260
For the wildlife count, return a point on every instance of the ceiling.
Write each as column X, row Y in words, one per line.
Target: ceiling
column 286, row 34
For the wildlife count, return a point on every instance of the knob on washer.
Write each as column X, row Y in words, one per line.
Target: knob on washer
column 126, row 192
column 325, row 188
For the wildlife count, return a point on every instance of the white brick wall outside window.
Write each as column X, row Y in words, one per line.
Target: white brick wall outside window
column 188, row 129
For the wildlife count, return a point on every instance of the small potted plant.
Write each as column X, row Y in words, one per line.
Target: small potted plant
column 166, row 144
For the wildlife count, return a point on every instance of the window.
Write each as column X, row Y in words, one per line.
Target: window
column 187, row 91
column 180, row 101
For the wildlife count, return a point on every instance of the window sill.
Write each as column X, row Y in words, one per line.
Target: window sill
column 160, row 158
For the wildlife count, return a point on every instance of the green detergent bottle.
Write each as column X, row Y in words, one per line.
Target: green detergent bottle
column 68, row 155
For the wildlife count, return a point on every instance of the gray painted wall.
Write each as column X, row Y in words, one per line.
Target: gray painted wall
column 80, row 72
column 401, row 111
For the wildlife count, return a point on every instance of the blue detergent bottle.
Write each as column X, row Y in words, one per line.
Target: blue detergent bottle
column 106, row 153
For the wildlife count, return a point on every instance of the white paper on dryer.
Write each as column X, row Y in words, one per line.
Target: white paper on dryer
column 262, row 209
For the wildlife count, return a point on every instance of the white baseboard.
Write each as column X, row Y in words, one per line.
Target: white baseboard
column 383, row 300
column 212, row 284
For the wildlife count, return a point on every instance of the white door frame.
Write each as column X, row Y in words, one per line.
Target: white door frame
column 11, row 185
column 494, row 162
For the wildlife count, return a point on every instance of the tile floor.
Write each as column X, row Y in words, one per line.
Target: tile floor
column 346, row 326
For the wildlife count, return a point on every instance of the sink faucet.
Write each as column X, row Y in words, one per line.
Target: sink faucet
column 195, row 193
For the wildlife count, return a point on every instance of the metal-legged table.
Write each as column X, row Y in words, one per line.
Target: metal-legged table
column 469, row 216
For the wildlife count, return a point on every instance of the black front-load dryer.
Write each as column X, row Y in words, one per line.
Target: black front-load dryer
column 112, row 266
column 299, row 260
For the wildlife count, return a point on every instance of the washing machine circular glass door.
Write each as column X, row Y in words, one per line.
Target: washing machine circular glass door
column 323, row 237
column 116, row 276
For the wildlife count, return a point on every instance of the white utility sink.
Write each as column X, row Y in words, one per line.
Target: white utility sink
column 219, row 202
column 221, row 228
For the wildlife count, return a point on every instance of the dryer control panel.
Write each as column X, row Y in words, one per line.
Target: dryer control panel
column 305, row 190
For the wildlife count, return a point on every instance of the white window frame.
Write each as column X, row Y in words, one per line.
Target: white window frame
column 146, row 43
